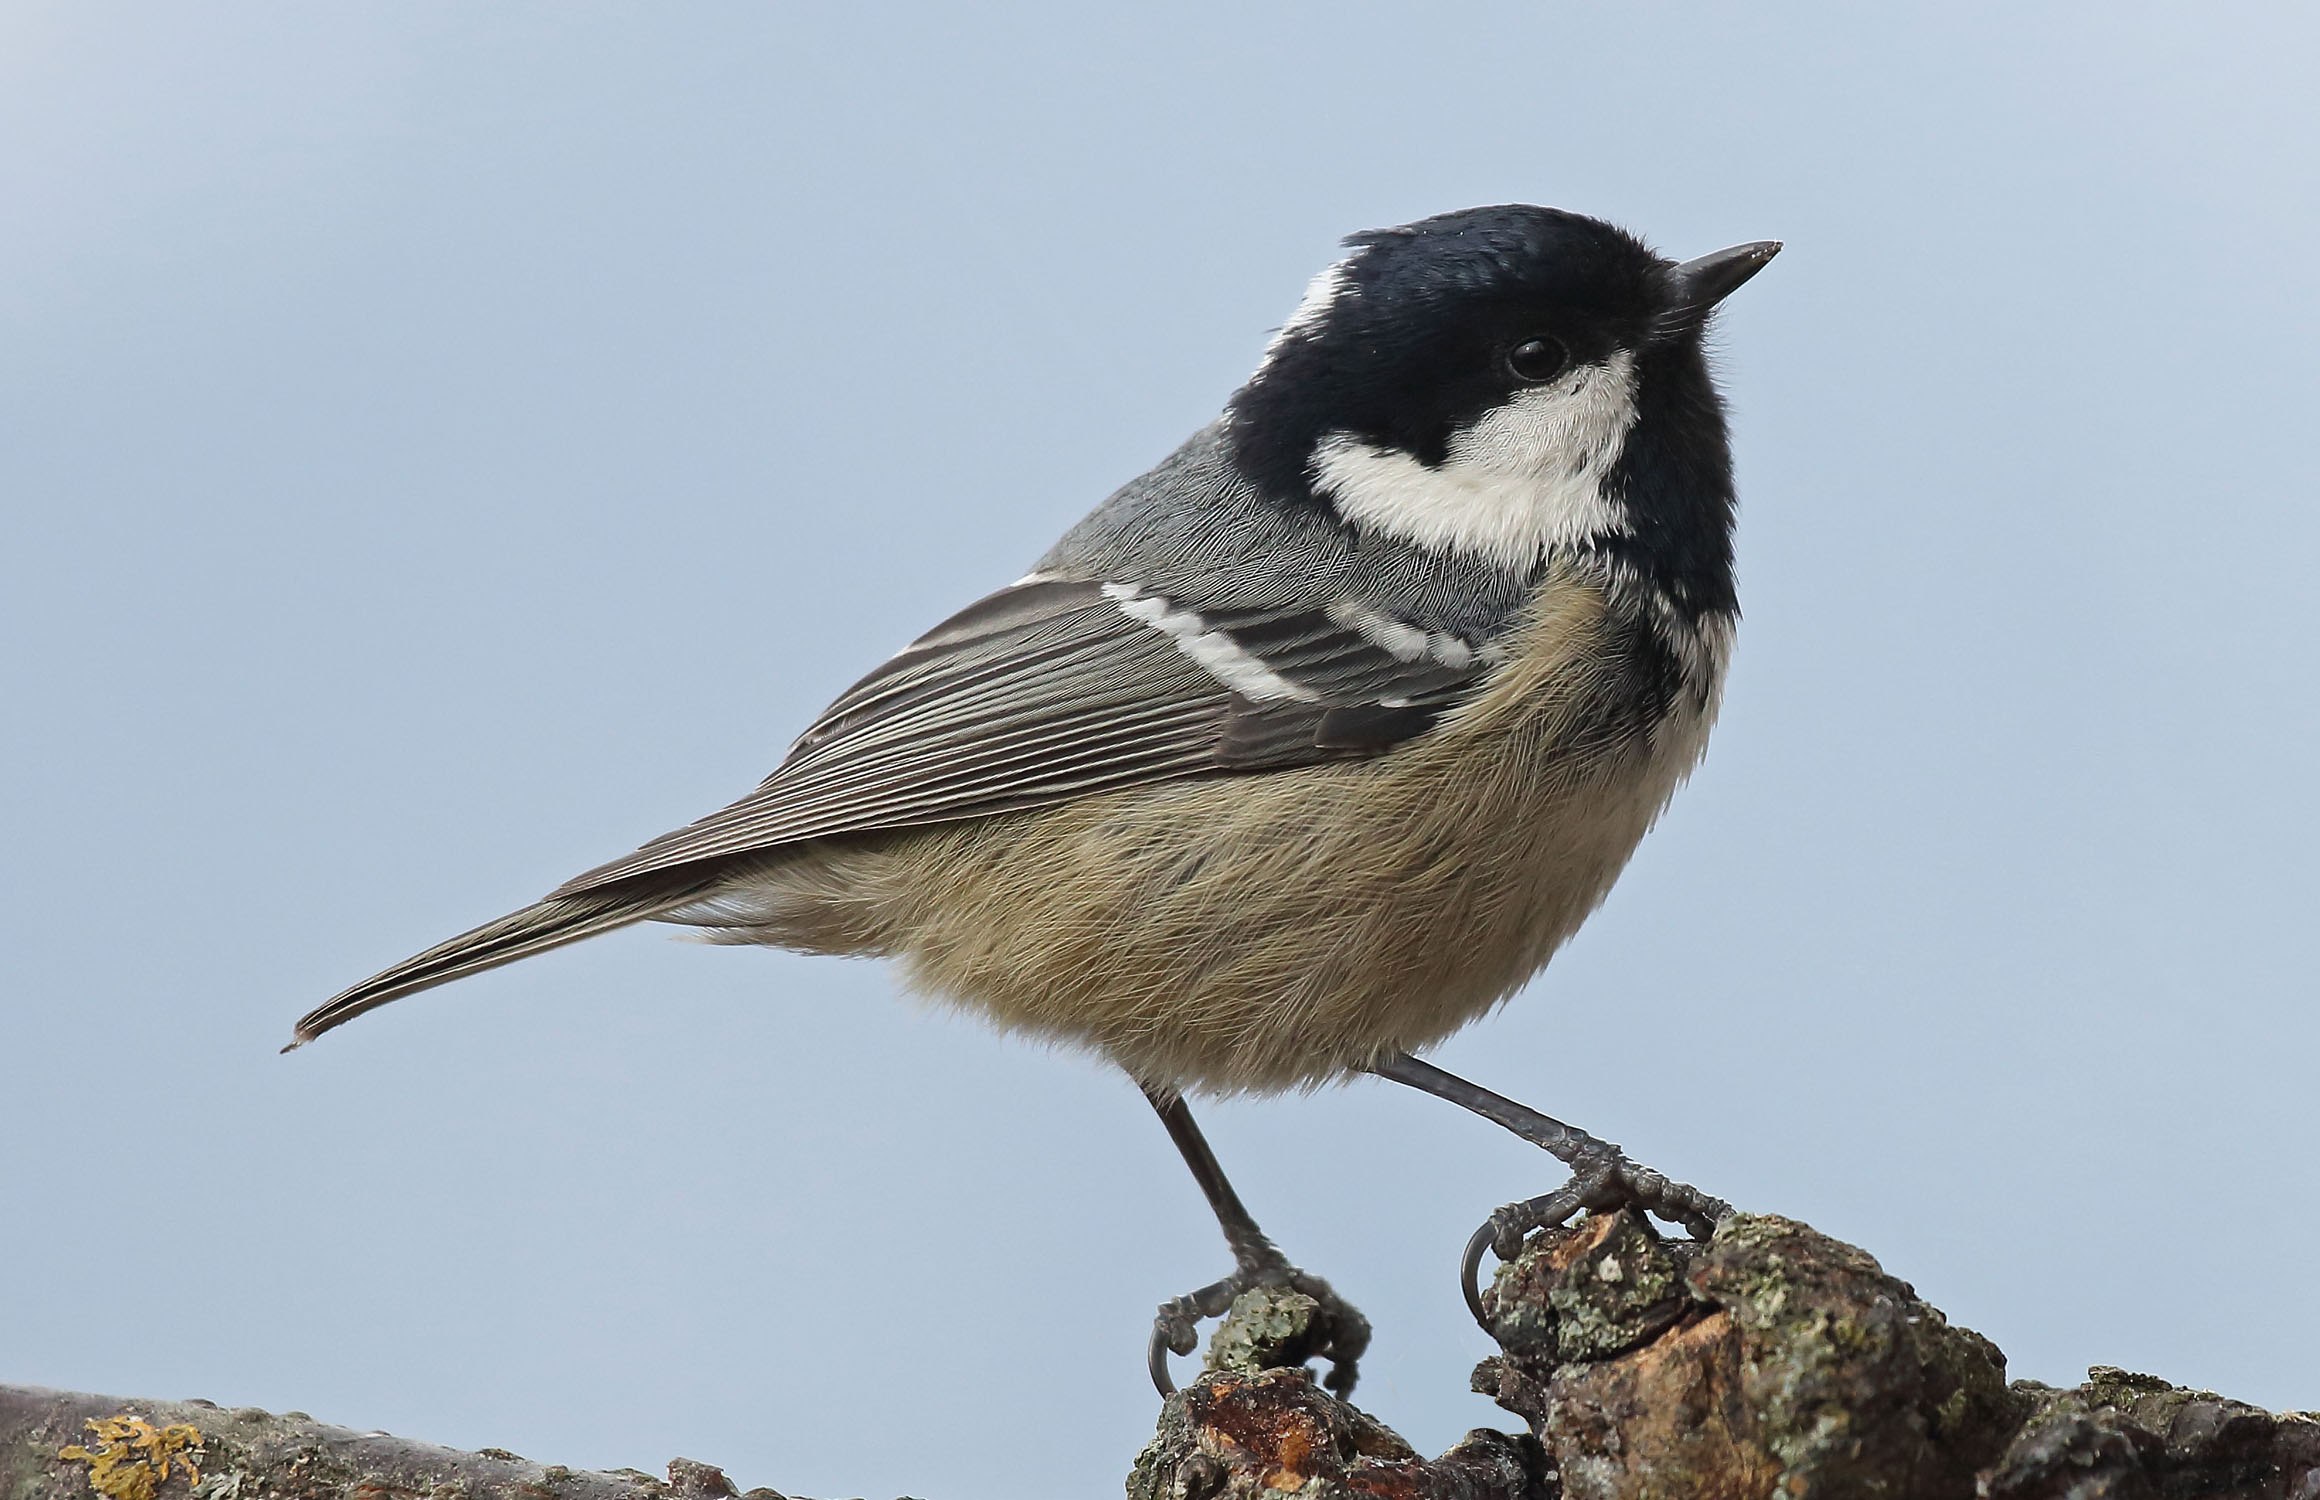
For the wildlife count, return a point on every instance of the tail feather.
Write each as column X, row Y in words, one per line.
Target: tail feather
column 520, row 934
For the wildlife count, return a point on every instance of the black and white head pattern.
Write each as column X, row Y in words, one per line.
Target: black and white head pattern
column 1499, row 384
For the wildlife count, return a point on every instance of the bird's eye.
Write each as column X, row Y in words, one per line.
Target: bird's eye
column 1537, row 359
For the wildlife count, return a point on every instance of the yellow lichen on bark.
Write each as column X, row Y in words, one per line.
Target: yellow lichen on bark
column 132, row 1457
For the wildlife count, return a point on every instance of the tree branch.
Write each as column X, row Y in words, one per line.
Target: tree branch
column 61, row 1445
column 1769, row 1362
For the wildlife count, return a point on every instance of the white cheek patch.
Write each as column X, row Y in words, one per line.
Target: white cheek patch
column 1525, row 478
column 1220, row 654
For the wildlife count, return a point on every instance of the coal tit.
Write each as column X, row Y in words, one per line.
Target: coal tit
column 1305, row 748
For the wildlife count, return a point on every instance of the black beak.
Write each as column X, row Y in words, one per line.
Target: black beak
column 1696, row 286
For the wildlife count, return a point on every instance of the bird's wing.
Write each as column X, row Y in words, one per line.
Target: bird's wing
column 1057, row 688
column 1045, row 691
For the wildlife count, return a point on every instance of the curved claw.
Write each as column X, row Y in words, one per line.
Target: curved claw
column 1156, row 1360
column 1470, row 1269
column 1176, row 1328
column 1503, row 1232
column 1172, row 1333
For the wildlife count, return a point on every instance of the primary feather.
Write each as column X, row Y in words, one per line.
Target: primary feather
column 520, row 934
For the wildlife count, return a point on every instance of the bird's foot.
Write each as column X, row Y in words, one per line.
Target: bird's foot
column 1602, row 1179
column 1336, row 1330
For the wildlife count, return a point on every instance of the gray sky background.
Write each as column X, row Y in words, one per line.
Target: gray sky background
column 443, row 445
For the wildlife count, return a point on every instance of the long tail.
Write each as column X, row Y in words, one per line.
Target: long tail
column 520, row 934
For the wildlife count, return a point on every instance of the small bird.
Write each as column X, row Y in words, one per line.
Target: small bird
column 1304, row 749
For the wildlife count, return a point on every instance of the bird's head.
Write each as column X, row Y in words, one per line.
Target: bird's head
column 1497, row 382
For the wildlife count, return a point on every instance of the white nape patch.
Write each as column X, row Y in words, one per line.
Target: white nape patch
column 1321, row 294
column 1525, row 478
column 1216, row 651
column 1399, row 639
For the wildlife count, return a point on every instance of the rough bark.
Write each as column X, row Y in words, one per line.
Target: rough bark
column 1772, row 1361
column 61, row 1445
column 1769, row 1362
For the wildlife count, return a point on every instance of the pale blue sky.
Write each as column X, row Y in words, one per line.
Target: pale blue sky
column 442, row 445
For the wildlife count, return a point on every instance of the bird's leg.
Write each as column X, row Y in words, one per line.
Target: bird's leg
column 1602, row 1177
column 1256, row 1262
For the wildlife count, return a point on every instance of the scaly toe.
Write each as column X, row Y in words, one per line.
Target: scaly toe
column 1599, row 1183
